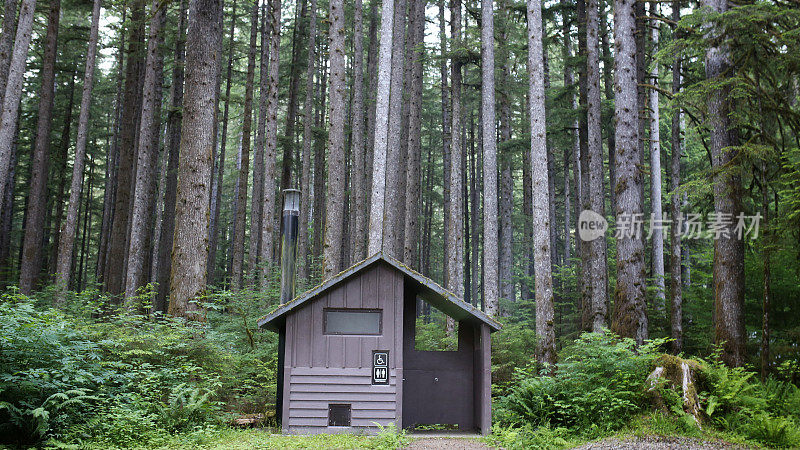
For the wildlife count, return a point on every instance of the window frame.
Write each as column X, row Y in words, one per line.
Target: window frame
column 352, row 310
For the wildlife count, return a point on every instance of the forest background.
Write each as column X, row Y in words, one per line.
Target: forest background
column 144, row 149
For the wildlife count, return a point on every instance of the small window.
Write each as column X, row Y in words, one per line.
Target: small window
column 339, row 415
column 352, row 321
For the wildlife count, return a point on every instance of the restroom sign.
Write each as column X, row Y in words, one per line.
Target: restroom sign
column 380, row 367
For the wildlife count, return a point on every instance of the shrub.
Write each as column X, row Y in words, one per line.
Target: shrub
column 768, row 413
column 597, row 387
column 389, row 437
column 528, row 436
column 48, row 371
column 123, row 377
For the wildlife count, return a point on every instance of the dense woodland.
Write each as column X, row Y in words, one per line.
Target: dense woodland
column 144, row 148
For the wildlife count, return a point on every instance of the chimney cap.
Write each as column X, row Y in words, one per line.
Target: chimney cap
column 291, row 200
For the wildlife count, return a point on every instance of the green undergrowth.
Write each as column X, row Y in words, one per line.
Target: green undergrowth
column 87, row 375
column 233, row 439
column 599, row 389
column 90, row 375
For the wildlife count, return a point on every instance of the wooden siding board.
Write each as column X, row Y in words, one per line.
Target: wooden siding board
column 343, row 388
column 344, row 397
column 305, row 413
column 323, row 422
column 300, row 405
column 347, row 372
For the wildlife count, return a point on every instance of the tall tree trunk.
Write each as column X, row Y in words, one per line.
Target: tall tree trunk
column 190, row 247
column 112, row 162
column 475, row 280
column 61, row 172
column 305, row 176
column 74, row 267
column 217, row 192
column 68, row 233
column 6, row 222
column 608, row 82
column 455, row 247
column 334, row 203
column 466, row 207
column 13, row 89
column 729, row 328
column 676, row 286
column 445, row 93
column 413, row 194
column 174, row 119
column 425, row 265
column 7, row 33
column 294, row 84
column 402, row 187
column 369, row 153
column 394, row 157
column 380, row 147
column 358, row 169
column 506, row 189
column 655, row 175
column 551, row 199
column 630, row 315
column 141, row 234
column 80, row 284
column 582, row 175
column 118, row 241
column 545, row 331
column 596, row 276
column 268, row 220
column 319, row 164
column 491, row 282
column 259, row 180
column 569, row 151
column 31, row 265
column 237, row 268
column 7, row 41
column 767, row 272
column 641, row 37
column 506, row 254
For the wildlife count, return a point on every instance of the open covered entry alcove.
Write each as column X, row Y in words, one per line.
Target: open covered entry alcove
column 347, row 359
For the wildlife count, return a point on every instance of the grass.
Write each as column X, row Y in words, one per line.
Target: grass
column 644, row 425
column 265, row 439
column 234, row 439
column 652, row 424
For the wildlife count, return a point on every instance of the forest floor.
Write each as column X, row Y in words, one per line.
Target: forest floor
column 632, row 443
column 641, row 442
column 436, row 443
column 658, row 443
column 267, row 439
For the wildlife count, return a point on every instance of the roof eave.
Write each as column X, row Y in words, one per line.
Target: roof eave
column 268, row 321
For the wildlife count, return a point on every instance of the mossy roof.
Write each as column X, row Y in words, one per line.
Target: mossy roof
column 432, row 292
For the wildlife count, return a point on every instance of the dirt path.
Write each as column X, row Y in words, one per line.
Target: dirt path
column 657, row 443
column 435, row 443
column 633, row 443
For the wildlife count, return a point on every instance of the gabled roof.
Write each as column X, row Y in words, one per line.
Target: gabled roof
column 437, row 296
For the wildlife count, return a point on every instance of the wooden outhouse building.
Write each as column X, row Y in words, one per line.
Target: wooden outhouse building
column 347, row 358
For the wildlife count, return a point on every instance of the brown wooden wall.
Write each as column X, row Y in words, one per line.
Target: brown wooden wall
column 322, row 369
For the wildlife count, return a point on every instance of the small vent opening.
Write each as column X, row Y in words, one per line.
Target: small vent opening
column 339, row 415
